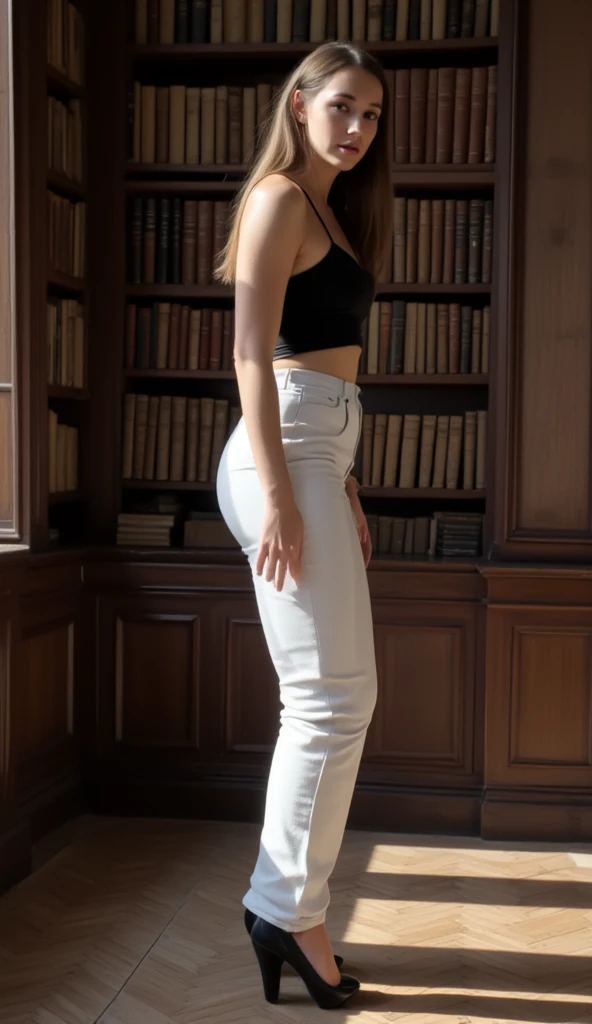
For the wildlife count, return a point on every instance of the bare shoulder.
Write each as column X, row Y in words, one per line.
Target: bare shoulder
column 278, row 196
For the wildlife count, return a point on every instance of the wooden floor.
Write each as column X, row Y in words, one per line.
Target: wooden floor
column 135, row 921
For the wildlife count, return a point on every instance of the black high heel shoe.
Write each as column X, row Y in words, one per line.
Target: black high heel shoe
column 250, row 919
column 273, row 946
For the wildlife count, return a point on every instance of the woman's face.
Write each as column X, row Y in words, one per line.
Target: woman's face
column 342, row 119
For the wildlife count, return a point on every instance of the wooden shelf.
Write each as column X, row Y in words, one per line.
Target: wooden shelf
column 219, row 291
column 180, row 52
column 179, row 291
column 432, row 289
column 174, row 187
column 140, row 176
column 59, row 391
column 425, row 379
column 235, row 556
column 66, row 282
column 65, row 186
column 64, row 497
column 182, row 374
column 444, row 175
column 439, row 493
column 366, row 492
column 365, row 379
column 134, row 169
column 60, row 83
column 168, row 485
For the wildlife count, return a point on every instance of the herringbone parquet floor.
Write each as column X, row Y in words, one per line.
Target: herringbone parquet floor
column 134, row 921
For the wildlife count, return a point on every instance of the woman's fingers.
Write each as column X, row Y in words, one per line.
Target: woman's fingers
column 262, row 555
column 295, row 564
column 272, row 560
column 276, row 563
column 282, row 565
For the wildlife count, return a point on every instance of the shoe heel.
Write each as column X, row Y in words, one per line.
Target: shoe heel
column 271, row 972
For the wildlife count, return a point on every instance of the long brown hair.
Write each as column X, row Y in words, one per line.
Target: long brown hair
column 362, row 199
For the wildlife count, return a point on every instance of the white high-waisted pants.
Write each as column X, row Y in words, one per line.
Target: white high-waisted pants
column 320, row 638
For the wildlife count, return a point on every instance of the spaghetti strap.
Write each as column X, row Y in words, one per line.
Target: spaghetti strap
column 313, row 206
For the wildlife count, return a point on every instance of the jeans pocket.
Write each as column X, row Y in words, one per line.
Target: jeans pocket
column 289, row 402
column 322, row 412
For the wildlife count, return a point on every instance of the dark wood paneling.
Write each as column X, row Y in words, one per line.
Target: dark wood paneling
column 107, row 107
column 157, row 659
column 538, row 724
column 42, row 699
column 9, row 486
column 542, row 380
column 252, row 693
column 30, row 127
column 418, row 720
column 42, row 666
column 415, row 761
column 553, row 387
column 423, row 726
column 153, row 651
column 549, row 724
column 539, row 697
column 6, row 611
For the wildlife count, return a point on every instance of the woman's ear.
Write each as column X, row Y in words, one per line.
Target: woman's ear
column 298, row 106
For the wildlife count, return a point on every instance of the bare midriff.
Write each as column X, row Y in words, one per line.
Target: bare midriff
column 338, row 362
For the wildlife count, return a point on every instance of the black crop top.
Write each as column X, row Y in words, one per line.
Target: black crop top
column 325, row 305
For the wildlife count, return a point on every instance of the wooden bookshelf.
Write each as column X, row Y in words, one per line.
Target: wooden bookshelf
column 180, row 53
column 156, row 180
column 174, row 176
column 366, row 379
column 60, row 84
column 66, row 354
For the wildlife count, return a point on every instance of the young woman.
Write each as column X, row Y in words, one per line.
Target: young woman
column 310, row 232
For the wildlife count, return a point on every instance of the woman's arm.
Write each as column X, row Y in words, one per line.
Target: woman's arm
column 271, row 232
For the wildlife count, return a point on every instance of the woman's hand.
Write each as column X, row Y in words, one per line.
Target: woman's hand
column 282, row 535
column 360, row 520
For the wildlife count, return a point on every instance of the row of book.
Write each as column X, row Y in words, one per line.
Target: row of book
column 63, row 455
column 65, row 343
column 441, row 115
column 161, row 529
column 172, row 437
column 446, row 534
column 145, row 529
column 425, row 337
column 66, row 234
column 398, row 337
column 442, row 241
column 422, row 451
column 179, row 245
column 435, row 241
column 284, row 21
column 66, row 39
column 175, row 336
column 178, row 124
column 64, row 137
column 151, row 522
column 445, row 115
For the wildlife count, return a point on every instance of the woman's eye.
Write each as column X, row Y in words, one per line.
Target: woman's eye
column 339, row 106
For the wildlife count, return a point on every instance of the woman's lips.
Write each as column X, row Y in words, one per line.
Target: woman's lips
column 349, row 149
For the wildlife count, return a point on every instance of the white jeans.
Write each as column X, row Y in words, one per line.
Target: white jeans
column 320, row 638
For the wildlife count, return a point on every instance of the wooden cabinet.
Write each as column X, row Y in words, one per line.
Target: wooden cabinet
column 42, row 677
column 538, row 741
column 188, row 695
